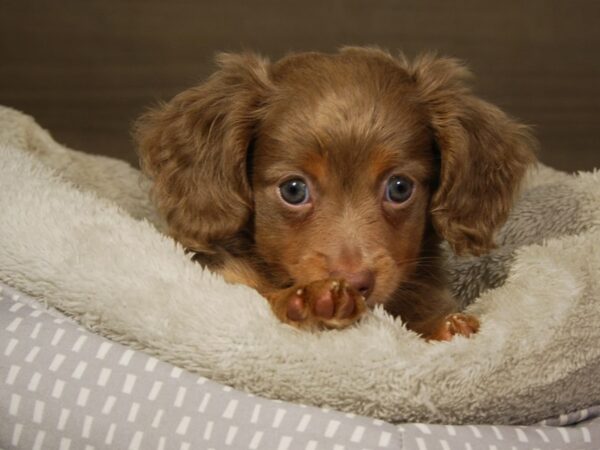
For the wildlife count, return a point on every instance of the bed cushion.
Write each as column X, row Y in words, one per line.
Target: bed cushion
column 61, row 385
column 79, row 232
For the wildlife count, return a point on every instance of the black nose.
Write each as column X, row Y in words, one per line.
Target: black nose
column 363, row 281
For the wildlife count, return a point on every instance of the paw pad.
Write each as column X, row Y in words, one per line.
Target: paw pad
column 331, row 303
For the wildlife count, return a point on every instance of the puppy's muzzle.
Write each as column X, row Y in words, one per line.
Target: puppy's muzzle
column 363, row 281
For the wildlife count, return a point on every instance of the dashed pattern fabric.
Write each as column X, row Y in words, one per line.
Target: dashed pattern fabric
column 62, row 387
column 579, row 430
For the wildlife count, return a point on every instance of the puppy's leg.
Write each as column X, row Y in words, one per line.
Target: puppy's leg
column 330, row 303
column 435, row 316
column 455, row 324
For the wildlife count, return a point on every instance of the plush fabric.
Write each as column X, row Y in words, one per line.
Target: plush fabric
column 73, row 234
column 61, row 384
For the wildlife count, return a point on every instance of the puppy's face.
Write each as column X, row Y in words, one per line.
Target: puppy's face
column 342, row 171
column 346, row 165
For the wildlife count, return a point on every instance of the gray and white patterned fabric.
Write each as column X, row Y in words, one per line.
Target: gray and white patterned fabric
column 62, row 387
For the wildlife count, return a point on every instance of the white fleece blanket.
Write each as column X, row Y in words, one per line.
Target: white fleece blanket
column 73, row 233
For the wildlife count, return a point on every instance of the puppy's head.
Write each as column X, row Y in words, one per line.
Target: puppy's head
column 347, row 165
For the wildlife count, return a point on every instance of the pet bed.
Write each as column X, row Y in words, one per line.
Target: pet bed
column 62, row 387
column 79, row 232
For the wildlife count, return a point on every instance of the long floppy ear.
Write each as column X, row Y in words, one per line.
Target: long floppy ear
column 484, row 155
column 195, row 150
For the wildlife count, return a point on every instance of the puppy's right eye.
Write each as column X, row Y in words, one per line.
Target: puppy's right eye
column 294, row 191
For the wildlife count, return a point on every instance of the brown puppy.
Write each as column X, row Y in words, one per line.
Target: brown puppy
column 327, row 182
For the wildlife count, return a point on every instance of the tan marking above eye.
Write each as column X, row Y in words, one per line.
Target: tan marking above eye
column 316, row 166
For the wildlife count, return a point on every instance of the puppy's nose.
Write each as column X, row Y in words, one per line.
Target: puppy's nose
column 363, row 281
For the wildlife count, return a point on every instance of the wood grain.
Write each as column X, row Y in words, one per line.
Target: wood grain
column 85, row 70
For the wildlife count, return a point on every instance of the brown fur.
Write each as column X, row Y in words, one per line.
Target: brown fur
column 345, row 123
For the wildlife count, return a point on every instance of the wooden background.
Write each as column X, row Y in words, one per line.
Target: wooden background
column 86, row 69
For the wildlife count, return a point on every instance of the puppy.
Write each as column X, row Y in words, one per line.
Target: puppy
column 327, row 181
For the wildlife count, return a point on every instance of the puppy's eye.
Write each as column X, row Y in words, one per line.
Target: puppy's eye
column 398, row 189
column 294, row 191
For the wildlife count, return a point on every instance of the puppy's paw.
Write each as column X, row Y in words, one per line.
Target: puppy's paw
column 330, row 303
column 453, row 325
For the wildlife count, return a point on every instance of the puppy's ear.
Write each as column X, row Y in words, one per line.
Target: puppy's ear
column 484, row 155
column 195, row 149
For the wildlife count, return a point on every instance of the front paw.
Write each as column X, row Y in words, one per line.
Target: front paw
column 330, row 303
column 455, row 325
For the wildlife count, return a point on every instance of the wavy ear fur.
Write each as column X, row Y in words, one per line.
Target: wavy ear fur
column 484, row 155
column 195, row 149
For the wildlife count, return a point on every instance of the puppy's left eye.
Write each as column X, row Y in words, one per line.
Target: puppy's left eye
column 294, row 192
column 398, row 189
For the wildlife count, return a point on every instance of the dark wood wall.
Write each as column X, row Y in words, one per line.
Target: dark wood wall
column 86, row 69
